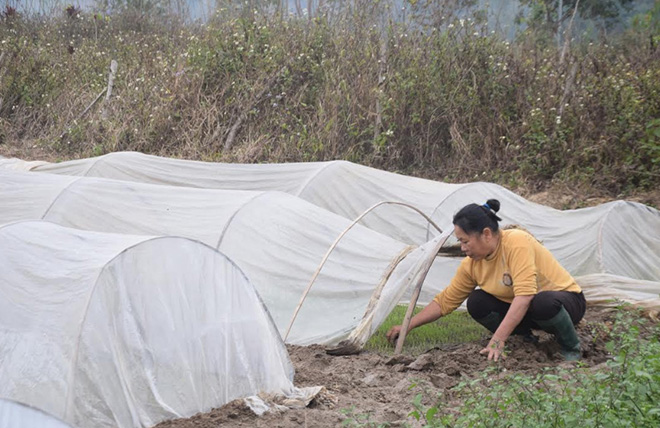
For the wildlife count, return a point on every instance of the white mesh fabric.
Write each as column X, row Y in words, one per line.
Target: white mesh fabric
column 120, row 330
column 276, row 239
column 578, row 238
column 280, row 240
column 40, row 192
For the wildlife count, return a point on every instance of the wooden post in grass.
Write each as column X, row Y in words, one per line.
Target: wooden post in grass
column 419, row 280
column 106, row 91
column 382, row 69
column 111, row 82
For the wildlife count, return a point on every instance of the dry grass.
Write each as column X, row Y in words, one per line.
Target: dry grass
column 433, row 96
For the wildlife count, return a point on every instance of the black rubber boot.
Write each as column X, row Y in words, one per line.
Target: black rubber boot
column 562, row 327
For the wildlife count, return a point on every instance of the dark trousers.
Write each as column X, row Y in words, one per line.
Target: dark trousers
column 544, row 306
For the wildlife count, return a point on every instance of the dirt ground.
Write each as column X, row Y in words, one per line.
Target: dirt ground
column 378, row 387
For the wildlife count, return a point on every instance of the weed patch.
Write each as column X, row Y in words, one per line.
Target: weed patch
column 625, row 391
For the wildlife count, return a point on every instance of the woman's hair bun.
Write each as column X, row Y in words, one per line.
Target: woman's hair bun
column 494, row 204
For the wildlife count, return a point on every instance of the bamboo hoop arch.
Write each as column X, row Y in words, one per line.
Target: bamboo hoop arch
column 336, row 242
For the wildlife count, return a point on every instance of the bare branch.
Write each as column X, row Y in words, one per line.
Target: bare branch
column 229, row 142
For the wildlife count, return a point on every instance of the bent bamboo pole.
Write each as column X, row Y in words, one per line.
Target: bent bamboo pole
column 334, row 245
column 421, row 276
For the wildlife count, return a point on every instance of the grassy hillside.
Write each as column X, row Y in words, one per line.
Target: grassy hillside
column 434, row 96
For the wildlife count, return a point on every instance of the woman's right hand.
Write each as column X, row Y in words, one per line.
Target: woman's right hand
column 393, row 334
column 430, row 313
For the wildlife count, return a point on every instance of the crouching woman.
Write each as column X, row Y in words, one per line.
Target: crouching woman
column 521, row 286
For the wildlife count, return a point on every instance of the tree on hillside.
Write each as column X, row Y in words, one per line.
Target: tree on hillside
column 549, row 15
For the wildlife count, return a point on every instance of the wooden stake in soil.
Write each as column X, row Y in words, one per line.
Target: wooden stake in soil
column 107, row 90
column 567, row 37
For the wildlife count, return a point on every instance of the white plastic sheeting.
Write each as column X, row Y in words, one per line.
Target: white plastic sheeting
column 610, row 290
column 618, row 238
column 19, row 164
column 17, row 415
column 119, row 330
column 278, row 240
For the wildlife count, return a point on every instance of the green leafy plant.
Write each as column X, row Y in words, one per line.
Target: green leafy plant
column 353, row 419
column 625, row 392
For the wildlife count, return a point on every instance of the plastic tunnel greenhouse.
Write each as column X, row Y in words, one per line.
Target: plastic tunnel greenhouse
column 103, row 329
column 596, row 240
column 170, row 288
column 278, row 241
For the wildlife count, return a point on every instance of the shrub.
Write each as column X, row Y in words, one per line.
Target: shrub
column 432, row 94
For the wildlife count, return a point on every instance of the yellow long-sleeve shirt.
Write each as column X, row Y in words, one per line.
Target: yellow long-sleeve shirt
column 520, row 266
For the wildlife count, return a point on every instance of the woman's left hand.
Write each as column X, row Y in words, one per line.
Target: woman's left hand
column 495, row 349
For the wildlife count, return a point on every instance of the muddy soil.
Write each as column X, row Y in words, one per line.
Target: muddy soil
column 378, row 388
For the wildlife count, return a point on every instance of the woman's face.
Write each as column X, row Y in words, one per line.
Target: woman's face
column 476, row 245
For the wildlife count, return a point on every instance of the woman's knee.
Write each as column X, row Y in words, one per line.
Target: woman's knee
column 480, row 304
column 544, row 306
column 547, row 304
column 477, row 305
